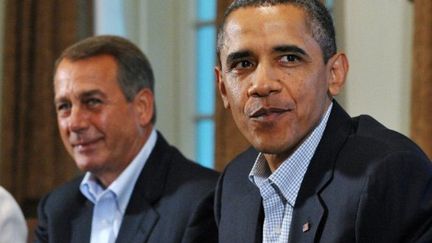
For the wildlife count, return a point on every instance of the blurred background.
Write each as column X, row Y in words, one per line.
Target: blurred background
column 388, row 43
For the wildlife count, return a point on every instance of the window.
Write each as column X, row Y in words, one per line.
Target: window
column 179, row 38
column 105, row 14
column 329, row 4
column 205, row 84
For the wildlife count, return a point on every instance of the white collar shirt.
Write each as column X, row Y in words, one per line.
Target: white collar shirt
column 110, row 203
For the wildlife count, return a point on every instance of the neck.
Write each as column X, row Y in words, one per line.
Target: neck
column 274, row 161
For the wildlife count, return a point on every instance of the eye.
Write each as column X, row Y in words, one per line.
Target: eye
column 240, row 65
column 92, row 102
column 64, row 106
column 290, row 59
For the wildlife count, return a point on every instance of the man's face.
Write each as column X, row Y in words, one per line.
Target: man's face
column 100, row 129
column 273, row 77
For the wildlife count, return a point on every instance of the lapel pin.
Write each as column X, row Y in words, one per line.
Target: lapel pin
column 306, row 227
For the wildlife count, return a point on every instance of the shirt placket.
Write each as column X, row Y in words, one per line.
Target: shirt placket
column 104, row 215
column 274, row 212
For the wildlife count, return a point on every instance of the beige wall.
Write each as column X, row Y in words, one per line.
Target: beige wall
column 377, row 36
column 164, row 30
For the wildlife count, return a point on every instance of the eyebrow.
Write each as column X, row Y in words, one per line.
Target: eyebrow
column 281, row 49
column 91, row 93
column 237, row 55
column 83, row 95
column 290, row 48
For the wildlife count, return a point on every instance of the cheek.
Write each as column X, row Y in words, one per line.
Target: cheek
column 309, row 87
column 62, row 126
column 236, row 93
column 102, row 123
column 112, row 123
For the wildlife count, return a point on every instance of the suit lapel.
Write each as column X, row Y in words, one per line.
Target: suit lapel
column 310, row 209
column 81, row 225
column 242, row 213
column 140, row 217
column 138, row 224
column 250, row 223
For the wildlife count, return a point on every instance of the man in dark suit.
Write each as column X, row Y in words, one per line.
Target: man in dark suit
column 137, row 188
column 314, row 174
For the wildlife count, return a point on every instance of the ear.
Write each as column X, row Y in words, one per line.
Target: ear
column 144, row 106
column 221, row 86
column 338, row 69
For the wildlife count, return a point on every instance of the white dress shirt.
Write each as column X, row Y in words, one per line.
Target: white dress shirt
column 110, row 203
column 13, row 227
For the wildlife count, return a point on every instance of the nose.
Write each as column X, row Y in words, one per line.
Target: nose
column 78, row 120
column 264, row 82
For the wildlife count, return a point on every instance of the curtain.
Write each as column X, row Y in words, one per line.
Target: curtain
column 33, row 159
column 421, row 96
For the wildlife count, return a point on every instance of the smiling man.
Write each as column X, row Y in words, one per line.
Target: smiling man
column 314, row 174
column 136, row 187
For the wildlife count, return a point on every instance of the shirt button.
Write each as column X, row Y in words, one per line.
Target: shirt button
column 277, row 230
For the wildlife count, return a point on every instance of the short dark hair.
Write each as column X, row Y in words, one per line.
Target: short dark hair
column 134, row 70
column 318, row 18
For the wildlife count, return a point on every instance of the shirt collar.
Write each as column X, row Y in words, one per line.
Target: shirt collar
column 289, row 175
column 123, row 186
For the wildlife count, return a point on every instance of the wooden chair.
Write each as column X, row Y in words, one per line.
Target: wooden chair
column 31, row 225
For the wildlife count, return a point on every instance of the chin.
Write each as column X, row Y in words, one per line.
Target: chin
column 272, row 145
column 270, row 149
column 86, row 165
column 267, row 147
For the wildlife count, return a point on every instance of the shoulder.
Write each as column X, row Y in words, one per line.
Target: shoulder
column 395, row 183
column 374, row 141
column 189, row 175
column 234, row 179
column 6, row 197
column 171, row 173
column 182, row 185
column 61, row 197
column 241, row 165
column 169, row 161
column 385, row 158
column 12, row 222
column 10, row 212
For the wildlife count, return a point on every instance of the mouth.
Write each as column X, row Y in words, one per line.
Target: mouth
column 267, row 113
column 262, row 112
column 85, row 145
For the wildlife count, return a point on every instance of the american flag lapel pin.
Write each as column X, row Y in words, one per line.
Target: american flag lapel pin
column 306, row 227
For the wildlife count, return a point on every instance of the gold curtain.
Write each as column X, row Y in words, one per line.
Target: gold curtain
column 33, row 159
column 421, row 95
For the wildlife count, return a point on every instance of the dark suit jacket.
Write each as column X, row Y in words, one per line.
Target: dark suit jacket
column 365, row 183
column 172, row 202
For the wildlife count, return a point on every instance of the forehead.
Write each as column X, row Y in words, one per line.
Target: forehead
column 266, row 25
column 95, row 72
